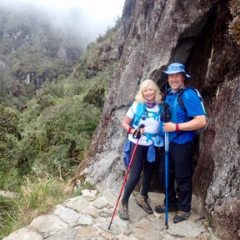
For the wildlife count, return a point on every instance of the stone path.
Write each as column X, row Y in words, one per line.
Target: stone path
column 87, row 217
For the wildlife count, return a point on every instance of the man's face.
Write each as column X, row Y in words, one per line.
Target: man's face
column 176, row 81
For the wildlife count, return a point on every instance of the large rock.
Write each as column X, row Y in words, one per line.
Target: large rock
column 155, row 33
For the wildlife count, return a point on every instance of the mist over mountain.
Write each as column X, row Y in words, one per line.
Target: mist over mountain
column 76, row 19
column 39, row 42
column 33, row 51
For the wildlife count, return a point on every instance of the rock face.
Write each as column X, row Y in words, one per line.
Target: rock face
column 155, row 33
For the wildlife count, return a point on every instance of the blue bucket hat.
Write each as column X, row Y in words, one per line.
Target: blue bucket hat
column 176, row 68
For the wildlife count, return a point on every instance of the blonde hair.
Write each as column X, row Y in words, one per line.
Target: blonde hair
column 144, row 84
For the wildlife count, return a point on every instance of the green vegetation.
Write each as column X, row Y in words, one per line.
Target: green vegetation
column 42, row 145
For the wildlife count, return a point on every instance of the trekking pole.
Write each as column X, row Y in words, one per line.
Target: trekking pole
column 166, row 176
column 165, row 117
column 138, row 136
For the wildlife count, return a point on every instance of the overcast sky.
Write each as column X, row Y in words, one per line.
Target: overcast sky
column 91, row 17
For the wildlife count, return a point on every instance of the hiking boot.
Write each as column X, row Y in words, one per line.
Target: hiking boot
column 123, row 212
column 162, row 209
column 181, row 216
column 143, row 203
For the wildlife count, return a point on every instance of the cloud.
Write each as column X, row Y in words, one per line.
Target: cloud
column 86, row 18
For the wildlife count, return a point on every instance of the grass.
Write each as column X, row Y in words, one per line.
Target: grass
column 35, row 197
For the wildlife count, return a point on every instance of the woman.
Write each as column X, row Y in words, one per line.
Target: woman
column 144, row 110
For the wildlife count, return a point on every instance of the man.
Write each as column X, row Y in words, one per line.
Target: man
column 180, row 128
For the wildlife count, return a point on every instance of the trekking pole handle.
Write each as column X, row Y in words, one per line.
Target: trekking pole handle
column 137, row 132
column 166, row 112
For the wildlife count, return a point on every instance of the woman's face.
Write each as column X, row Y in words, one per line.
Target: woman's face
column 149, row 93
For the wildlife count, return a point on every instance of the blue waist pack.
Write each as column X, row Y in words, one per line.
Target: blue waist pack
column 126, row 149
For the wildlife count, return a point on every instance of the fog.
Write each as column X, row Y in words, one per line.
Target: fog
column 86, row 19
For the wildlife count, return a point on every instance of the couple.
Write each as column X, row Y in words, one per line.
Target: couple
column 148, row 99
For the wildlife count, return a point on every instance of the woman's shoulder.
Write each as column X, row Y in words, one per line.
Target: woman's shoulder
column 135, row 106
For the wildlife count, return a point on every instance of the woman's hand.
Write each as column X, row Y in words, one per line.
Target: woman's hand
column 141, row 131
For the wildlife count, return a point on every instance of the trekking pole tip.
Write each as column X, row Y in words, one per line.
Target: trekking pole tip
column 109, row 226
column 166, row 224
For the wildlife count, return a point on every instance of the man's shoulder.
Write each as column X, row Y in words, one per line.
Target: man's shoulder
column 189, row 89
column 189, row 92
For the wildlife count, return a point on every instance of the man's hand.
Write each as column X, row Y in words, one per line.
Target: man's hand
column 169, row 127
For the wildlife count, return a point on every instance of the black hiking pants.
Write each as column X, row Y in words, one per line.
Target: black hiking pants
column 139, row 163
column 180, row 169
